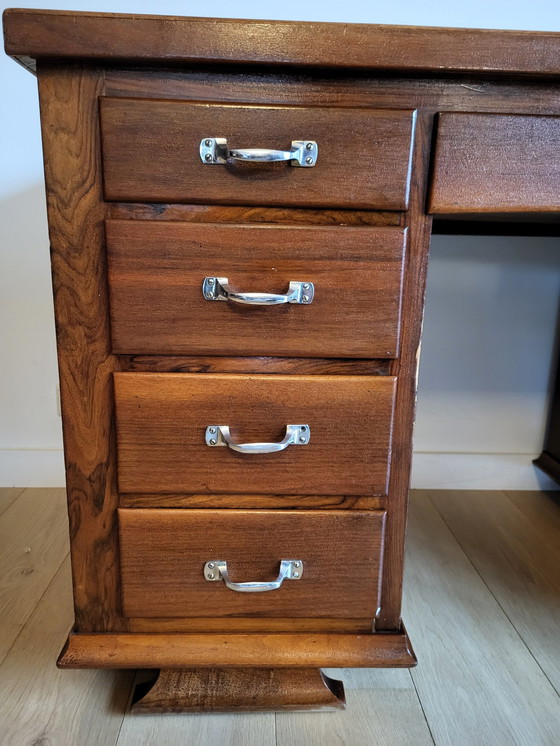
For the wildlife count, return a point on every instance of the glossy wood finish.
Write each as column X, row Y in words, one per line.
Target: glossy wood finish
column 151, row 154
column 163, row 553
column 239, row 690
column 156, row 271
column 496, row 164
column 162, row 420
column 257, row 502
column 406, row 370
column 251, row 214
column 254, row 650
column 249, row 624
column 35, row 34
column 268, row 365
column 337, row 89
column 76, row 212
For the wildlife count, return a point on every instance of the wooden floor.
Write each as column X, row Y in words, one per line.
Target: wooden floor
column 482, row 605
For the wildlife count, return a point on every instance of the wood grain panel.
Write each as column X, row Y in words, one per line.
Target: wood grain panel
column 156, row 271
column 494, row 163
column 249, row 624
column 173, row 650
column 269, row 365
column 251, row 214
column 172, row 40
column 163, row 553
column 406, row 370
column 151, row 154
column 337, row 90
column 162, row 419
column 257, row 502
column 76, row 212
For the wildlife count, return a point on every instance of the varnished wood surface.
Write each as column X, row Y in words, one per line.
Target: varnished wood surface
column 151, row 154
column 256, row 502
column 156, row 271
column 406, row 370
column 268, row 365
column 163, row 553
column 162, row 420
column 248, row 624
column 303, row 88
column 251, row 214
column 486, row 163
column 251, row 649
column 71, row 150
column 240, row 690
column 462, row 623
column 175, row 40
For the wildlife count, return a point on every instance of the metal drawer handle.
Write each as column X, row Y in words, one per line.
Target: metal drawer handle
column 289, row 570
column 219, row 435
column 218, row 288
column 215, row 151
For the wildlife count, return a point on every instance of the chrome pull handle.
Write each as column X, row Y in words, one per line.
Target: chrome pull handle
column 218, row 288
column 217, row 570
column 219, row 435
column 215, row 151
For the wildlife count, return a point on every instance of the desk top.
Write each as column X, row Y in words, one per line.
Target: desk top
column 31, row 35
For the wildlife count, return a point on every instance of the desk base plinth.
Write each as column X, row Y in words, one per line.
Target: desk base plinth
column 238, row 690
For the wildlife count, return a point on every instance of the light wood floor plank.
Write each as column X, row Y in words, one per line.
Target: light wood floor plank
column 542, row 509
column 518, row 559
column 477, row 681
column 385, row 716
column 42, row 705
column 33, row 544
column 219, row 729
column 7, row 496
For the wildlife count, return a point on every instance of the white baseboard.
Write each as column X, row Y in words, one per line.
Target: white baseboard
column 478, row 471
column 31, row 467
column 450, row 471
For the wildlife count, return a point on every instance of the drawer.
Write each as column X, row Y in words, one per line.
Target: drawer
column 496, row 163
column 151, row 152
column 157, row 270
column 163, row 554
column 162, row 421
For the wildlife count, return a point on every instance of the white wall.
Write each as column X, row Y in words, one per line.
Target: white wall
column 491, row 305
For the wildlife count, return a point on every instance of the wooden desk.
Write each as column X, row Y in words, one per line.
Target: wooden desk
column 153, row 217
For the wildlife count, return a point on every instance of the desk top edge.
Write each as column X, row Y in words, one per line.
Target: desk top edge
column 31, row 35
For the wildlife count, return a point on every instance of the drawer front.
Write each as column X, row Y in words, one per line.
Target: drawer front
column 163, row 554
column 157, row 270
column 151, row 153
column 496, row 164
column 162, row 420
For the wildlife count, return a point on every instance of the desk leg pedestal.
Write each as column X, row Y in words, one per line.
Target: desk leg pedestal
column 253, row 671
column 238, row 690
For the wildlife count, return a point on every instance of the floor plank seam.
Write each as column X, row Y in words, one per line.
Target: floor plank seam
column 32, row 611
column 127, row 712
column 510, row 620
column 9, row 505
column 422, row 707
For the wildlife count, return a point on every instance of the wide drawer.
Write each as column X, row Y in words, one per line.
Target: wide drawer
column 164, row 556
column 157, row 270
column 151, row 152
column 162, row 421
column 496, row 163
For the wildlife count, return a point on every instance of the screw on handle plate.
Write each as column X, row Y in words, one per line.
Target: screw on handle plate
column 219, row 435
column 215, row 570
column 214, row 151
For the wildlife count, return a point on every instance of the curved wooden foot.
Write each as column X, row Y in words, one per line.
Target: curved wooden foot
column 238, row 690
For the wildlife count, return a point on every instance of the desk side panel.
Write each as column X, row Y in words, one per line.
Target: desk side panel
column 70, row 130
